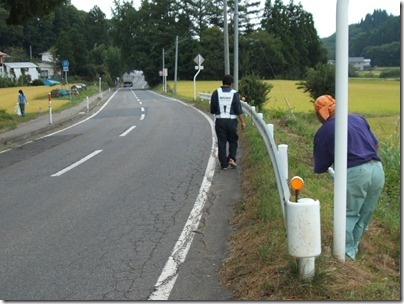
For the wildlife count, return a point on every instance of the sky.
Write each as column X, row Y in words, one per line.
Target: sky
column 323, row 11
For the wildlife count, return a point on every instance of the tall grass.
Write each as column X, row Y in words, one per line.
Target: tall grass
column 261, row 269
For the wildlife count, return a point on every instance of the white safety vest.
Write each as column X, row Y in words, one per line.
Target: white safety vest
column 225, row 100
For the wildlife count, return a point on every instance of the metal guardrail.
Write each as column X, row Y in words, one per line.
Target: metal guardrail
column 278, row 154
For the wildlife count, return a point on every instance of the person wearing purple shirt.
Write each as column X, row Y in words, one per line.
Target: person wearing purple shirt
column 365, row 174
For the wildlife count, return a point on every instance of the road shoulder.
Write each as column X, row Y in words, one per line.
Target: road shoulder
column 199, row 277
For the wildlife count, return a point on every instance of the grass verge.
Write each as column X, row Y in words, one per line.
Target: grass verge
column 260, row 267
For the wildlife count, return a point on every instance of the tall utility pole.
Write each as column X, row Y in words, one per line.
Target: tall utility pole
column 164, row 76
column 176, row 65
column 236, row 45
column 226, row 40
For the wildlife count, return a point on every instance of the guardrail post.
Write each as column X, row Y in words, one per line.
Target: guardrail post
column 270, row 128
column 283, row 158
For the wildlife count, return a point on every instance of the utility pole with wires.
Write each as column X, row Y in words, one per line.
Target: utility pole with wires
column 226, row 40
column 235, row 76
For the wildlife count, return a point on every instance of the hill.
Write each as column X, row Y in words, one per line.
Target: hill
column 377, row 37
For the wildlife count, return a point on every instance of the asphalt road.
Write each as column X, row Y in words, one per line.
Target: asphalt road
column 94, row 212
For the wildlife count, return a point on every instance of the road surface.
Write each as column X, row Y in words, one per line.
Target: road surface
column 94, row 212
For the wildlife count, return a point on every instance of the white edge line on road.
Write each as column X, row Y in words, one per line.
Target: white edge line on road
column 80, row 122
column 77, row 163
column 166, row 281
column 127, row 131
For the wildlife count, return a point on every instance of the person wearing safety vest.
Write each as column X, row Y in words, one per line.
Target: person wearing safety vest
column 225, row 105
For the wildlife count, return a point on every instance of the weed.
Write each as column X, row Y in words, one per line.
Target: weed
column 259, row 246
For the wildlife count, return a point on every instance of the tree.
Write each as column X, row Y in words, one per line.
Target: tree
column 294, row 27
column 319, row 81
column 261, row 55
column 213, row 64
column 254, row 90
column 21, row 10
column 97, row 27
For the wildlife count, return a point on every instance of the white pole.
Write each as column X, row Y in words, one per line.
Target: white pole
column 341, row 129
column 199, row 69
column 307, row 267
column 50, row 112
column 235, row 76
column 99, row 85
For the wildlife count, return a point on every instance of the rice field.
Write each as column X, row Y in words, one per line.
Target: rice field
column 377, row 99
column 37, row 99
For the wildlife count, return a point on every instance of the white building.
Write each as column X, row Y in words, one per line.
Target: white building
column 360, row 63
column 46, row 65
column 14, row 70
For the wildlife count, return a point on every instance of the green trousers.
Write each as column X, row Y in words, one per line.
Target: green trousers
column 364, row 185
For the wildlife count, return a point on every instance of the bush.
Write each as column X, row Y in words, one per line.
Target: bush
column 6, row 83
column 392, row 73
column 319, row 81
column 37, row 82
column 254, row 90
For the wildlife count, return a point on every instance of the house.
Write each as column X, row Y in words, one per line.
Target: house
column 46, row 65
column 15, row 70
column 359, row 63
column 2, row 55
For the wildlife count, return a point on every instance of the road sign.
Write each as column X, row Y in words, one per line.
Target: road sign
column 65, row 65
column 199, row 59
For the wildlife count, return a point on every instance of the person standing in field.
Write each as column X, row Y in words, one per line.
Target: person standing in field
column 22, row 101
column 225, row 105
column 365, row 174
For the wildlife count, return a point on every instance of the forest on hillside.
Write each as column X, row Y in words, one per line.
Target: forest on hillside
column 376, row 37
column 279, row 41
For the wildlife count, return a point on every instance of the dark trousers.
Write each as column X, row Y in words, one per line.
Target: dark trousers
column 22, row 108
column 226, row 132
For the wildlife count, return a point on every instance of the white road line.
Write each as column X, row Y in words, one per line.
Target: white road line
column 77, row 163
column 142, row 109
column 142, row 116
column 127, row 131
column 168, row 276
column 84, row 120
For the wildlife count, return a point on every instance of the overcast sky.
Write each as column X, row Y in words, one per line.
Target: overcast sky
column 323, row 11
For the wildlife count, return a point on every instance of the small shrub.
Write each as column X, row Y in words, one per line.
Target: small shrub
column 37, row 82
column 254, row 90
